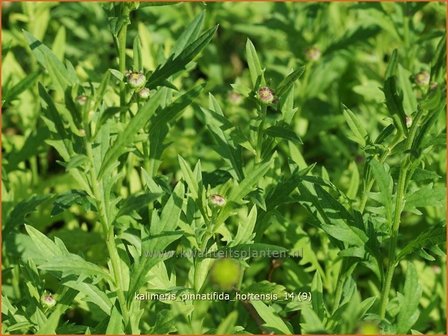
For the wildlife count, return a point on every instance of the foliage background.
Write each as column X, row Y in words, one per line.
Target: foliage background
column 356, row 41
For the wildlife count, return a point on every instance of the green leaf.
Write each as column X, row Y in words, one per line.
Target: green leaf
column 93, row 294
column 137, row 54
column 136, row 202
column 287, row 83
column 153, row 246
column 246, row 185
column 61, row 76
column 433, row 236
column 190, row 34
column 318, row 297
column 393, row 95
column 45, row 245
column 9, row 94
column 409, row 97
column 283, row 131
column 126, row 137
column 22, row 209
column 115, row 325
column 246, row 228
column 189, row 177
column 227, row 326
column 426, row 196
column 176, row 63
column 74, row 264
column 270, row 318
column 64, row 201
column 412, row 291
column 255, row 70
column 384, row 182
column 359, row 133
column 313, row 324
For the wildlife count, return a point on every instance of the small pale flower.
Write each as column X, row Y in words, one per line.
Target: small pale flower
column 144, row 93
column 136, row 79
column 422, row 78
column 266, row 95
column 81, row 100
column 217, row 200
column 48, row 300
column 313, row 54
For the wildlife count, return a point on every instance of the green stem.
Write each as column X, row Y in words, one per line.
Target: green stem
column 108, row 233
column 122, row 58
column 401, row 188
column 399, row 202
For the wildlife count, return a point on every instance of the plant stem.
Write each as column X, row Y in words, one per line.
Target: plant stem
column 108, row 231
column 401, row 188
column 400, row 195
column 122, row 58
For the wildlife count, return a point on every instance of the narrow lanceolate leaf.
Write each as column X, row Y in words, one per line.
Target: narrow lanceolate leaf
column 393, row 95
column 189, row 177
column 190, row 34
column 178, row 62
column 137, row 54
column 227, row 325
column 45, row 245
column 61, row 76
column 93, row 294
column 412, row 291
column 271, row 320
column 246, row 228
column 126, row 137
column 246, row 185
column 9, row 94
column 136, row 202
column 172, row 111
column 384, row 182
column 74, row 264
column 255, row 70
column 115, row 325
column 359, row 133
column 289, row 81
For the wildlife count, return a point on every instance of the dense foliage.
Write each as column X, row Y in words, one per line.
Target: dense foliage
column 304, row 141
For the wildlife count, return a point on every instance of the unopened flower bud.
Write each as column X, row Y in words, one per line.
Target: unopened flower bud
column 234, row 98
column 136, row 79
column 82, row 132
column 47, row 300
column 217, row 200
column 266, row 95
column 368, row 328
column 422, row 78
column 81, row 100
column 144, row 93
column 313, row 54
column 408, row 121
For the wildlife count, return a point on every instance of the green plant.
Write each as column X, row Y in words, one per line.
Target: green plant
column 288, row 156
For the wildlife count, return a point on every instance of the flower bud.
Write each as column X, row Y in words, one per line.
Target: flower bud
column 408, row 121
column 135, row 79
column 368, row 328
column 422, row 78
column 266, row 95
column 226, row 273
column 47, row 300
column 217, row 200
column 81, row 100
column 313, row 54
column 234, row 98
column 144, row 93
